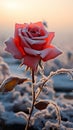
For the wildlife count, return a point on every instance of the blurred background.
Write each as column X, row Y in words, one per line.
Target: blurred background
column 57, row 13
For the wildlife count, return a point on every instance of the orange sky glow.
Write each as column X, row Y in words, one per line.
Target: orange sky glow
column 57, row 13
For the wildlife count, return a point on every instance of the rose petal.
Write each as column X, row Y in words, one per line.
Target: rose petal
column 31, row 51
column 23, row 41
column 31, row 61
column 43, row 32
column 50, row 53
column 19, row 26
column 29, row 35
column 32, row 42
column 24, row 32
column 11, row 47
column 39, row 24
column 19, row 46
column 50, row 37
column 41, row 37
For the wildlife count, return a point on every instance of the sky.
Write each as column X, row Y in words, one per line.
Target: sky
column 57, row 13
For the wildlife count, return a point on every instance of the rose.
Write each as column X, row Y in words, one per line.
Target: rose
column 32, row 43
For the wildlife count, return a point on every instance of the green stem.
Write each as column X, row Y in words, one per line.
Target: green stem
column 33, row 101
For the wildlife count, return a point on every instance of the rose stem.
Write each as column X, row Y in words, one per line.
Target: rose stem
column 33, row 101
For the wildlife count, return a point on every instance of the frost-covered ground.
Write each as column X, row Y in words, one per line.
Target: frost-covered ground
column 14, row 103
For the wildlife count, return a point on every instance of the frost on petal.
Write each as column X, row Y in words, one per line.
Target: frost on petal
column 24, row 32
column 31, row 61
column 50, row 53
column 31, row 51
column 41, row 31
column 41, row 37
column 19, row 46
column 34, row 42
column 19, row 26
column 24, row 43
column 11, row 47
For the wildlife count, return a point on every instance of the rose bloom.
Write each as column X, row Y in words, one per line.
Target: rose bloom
column 32, row 43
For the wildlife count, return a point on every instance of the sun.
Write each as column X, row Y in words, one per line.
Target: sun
column 11, row 5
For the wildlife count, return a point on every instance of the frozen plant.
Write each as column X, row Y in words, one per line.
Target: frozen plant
column 32, row 44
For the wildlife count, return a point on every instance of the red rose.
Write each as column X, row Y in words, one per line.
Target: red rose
column 32, row 43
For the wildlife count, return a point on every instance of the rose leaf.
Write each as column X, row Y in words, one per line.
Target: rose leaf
column 41, row 105
column 10, row 83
